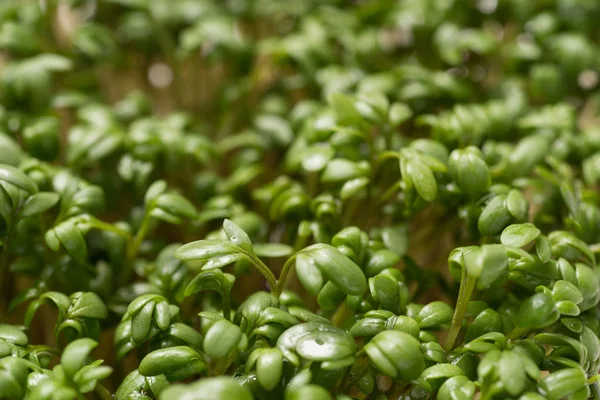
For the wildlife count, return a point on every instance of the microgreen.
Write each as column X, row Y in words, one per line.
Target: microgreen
column 308, row 199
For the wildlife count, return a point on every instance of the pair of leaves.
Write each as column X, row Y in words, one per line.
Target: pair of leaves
column 167, row 205
column 485, row 263
column 77, row 311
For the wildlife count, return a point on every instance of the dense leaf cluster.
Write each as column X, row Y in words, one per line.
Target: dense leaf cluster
column 308, row 199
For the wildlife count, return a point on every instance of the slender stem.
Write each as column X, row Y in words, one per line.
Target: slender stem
column 265, row 271
column 390, row 192
column 387, row 135
column 134, row 246
column 287, row 267
column 341, row 314
column 484, row 395
column 226, row 305
column 223, row 364
column 467, row 285
column 351, row 207
column 312, row 183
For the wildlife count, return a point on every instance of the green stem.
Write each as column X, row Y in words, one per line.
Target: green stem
column 312, row 183
column 467, row 285
column 222, row 365
column 341, row 314
column 134, row 246
column 226, row 305
column 387, row 135
column 287, row 267
column 351, row 207
column 484, row 395
column 265, row 271
column 390, row 192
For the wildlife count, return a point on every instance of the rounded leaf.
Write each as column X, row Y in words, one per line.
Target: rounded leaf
column 396, row 354
column 518, row 235
column 215, row 388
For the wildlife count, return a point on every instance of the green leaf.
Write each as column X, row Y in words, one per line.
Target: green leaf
column 434, row 315
column 486, row 263
column 316, row 341
column 353, row 187
column 562, row 383
column 222, row 338
column 315, row 158
column 202, row 250
column 564, row 290
column 442, row 370
column 136, row 386
column 395, row 238
column 220, row 388
column 330, row 297
column 381, row 260
column 457, row 388
column 16, row 177
column 269, row 366
column 186, row 334
column 385, row 291
column 273, row 250
column 422, row 178
column 399, row 113
column 141, row 322
column 511, row 372
column 75, row 354
column 154, row 191
column 396, row 354
column 470, row 171
column 340, row 169
column 338, row 268
column 177, row 205
column 517, row 204
column 213, row 279
column 176, row 363
column 13, row 334
column 543, row 248
column 313, row 392
column 71, row 239
column 538, row 311
column 38, row 203
column 88, row 305
column 237, row 236
column 487, row 321
column 518, row 235
column 324, row 346
column 494, row 217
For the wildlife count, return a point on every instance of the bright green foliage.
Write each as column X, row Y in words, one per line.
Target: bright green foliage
column 299, row 199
